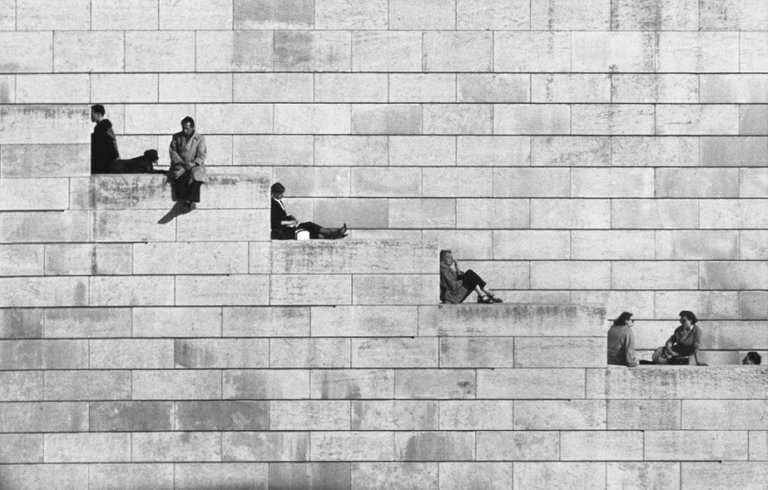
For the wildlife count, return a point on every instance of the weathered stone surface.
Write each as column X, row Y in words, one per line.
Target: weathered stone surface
column 21, row 260
column 395, row 352
column 667, row 88
column 21, row 448
column 531, row 244
column 493, row 151
column 560, row 415
column 601, row 445
column 752, row 51
column 266, row 322
column 476, row 415
column 572, row 275
column 647, row 151
column 221, row 415
column 234, row 50
column 176, row 322
column 262, row 384
column 87, row 448
column 531, row 383
column 222, row 290
column 221, row 353
column 723, row 474
column 325, row 289
column 177, row 385
column 531, row 119
column 434, row 446
column 130, row 354
column 420, row 213
column 44, row 476
column 386, row 51
column 310, row 475
column 517, row 445
column 657, row 15
column 50, row 89
column 313, row 51
column 655, row 214
column 394, row 415
column 724, row 414
column 218, row 475
column 90, row 51
column 545, row 51
column 456, row 182
column 356, row 213
column 309, row 415
column 643, row 414
column 583, row 88
column 435, row 383
column 570, row 213
column 559, row 474
column 346, row 446
column 386, row 119
column 309, row 352
column 350, row 87
column 469, row 352
column 176, row 446
column 22, row 323
column 21, row 385
column 43, row 291
column 26, row 51
column 642, row 475
column 598, row 51
column 395, row 475
column 273, row 14
column 131, row 290
column 422, row 87
column 352, row 383
column 87, row 385
column 401, row 289
column 696, row 445
column 44, row 417
column 87, row 259
column 61, row 160
column 130, row 416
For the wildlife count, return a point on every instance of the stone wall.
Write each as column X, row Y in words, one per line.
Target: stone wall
column 607, row 152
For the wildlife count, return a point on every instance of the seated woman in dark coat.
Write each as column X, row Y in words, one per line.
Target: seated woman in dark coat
column 684, row 342
column 285, row 226
column 456, row 285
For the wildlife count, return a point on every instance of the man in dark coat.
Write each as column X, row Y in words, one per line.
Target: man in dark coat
column 103, row 142
column 144, row 164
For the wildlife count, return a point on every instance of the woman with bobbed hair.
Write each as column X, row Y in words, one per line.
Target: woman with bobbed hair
column 684, row 342
column 286, row 227
column 621, row 341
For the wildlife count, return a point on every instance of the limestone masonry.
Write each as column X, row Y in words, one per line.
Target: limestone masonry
column 584, row 156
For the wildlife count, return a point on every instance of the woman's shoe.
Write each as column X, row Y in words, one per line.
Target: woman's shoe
column 495, row 299
column 484, row 299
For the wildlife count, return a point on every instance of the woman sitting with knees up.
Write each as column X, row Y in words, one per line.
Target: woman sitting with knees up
column 286, row 227
column 456, row 285
column 684, row 343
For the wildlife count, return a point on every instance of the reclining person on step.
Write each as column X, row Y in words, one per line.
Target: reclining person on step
column 144, row 164
column 286, row 227
column 187, row 173
column 684, row 342
column 456, row 285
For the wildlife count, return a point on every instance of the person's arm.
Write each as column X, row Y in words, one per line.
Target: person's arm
column 629, row 349
column 202, row 151
column 175, row 157
column 113, row 153
column 447, row 278
column 668, row 346
column 696, row 346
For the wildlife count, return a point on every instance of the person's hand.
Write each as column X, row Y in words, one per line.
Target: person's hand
column 294, row 223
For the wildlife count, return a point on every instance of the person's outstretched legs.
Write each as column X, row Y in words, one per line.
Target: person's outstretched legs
column 474, row 282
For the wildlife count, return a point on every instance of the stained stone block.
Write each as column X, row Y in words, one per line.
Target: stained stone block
column 235, row 50
column 655, row 275
column 21, row 385
column 753, row 245
column 758, row 445
column 228, row 475
column 442, row 384
column 273, row 14
column 733, row 151
column 130, row 416
column 565, row 15
column 176, row 322
column 494, row 151
column 753, row 304
column 559, row 474
column 266, row 384
column 159, row 51
column 221, row 353
column 350, row 87
column 612, row 119
column 26, row 52
column 386, row 119
column 189, row 258
column 318, row 181
column 62, row 160
column 359, row 321
column 570, row 213
column 434, row 446
column 87, row 448
column 44, row 476
column 388, row 51
column 485, row 214
column 613, row 52
column 517, row 445
column 132, row 475
column 41, row 124
column 45, row 417
column 129, row 14
column 643, row 414
column 724, row 414
column 712, row 304
column 131, row 291
column 309, row 415
column 467, row 244
column 221, row 415
column 399, row 352
column 642, row 475
column 732, row 213
column 8, row 15
column 426, row 15
column 222, row 290
column 583, row 88
column 352, row 383
column 43, row 291
column 313, row 51
column 752, row 51
column 531, row 244
column 268, row 150
column 734, row 15
column 560, row 415
column 396, row 475
column 89, row 51
column 394, row 415
column 476, row 415
column 350, row 151
column 159, row 119
column 421, row 151
column 346, row 446
column 655, row 151
column 310, row 475
column 312, row 118
column 531, row 383
column 341, row 14
column 607, row 245
column 539, row 51
column 743, row 89
column 214, row 225
column 130, row 354
column 195, row 87
column 531, row 119
column 656, row 214
column 327, row 289
column 570, row 352
column 723, row 474
column 696, row 445
column 49, row 89
column 21, row 323
column 492, row 15
column 456, row 182
column 458, row 119
column 655, row 15
column 753, row 119
column 177, row 385
column 196, row 14
column 87, row 385
column 21, row 260
column 395, row 290
column 422, row 87
column 48, row 15
column 386, row 182
column 88, row 259
column 469, row 352
column 697, row 119
column 667, row 88
column 356, row 213
column 601, row 445
column 176, row 446
column 309, row 353
column 733, row 275
column 458, row 51
column 266, row 321
column 698, row 52
column 530, row 182
column 701, row 245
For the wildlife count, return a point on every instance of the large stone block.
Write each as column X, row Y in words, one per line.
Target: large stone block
column 397, row 352
column 269, row 150
column 752, row 182
column 559, row 474
column 569, row 352
column 309, row 352
column 656, row 214
column 190, row 258
column 476, row 415
column 49, row 15
column 132, row 475
column 530, row 182
column 457, row 182
column 458, row 119
column 21, row 323
column 326, row 289
column 655, row 15
column 733, row 15
column 485, row 214
column 655, row 275
column 467, row 244
column 401, row 289
column 357, row 213
column 469, row 352
column 273, row 14
column 318, row 181
column 176, row 322
column 61, row 160
column 262, row 384
column 707, row 304
column 131, row 291
column 394, row 415
column 531, row 244
column 754, row 245
column 43, row 291
column 420, row 151
column 52, row 89
column 158, row 119
column 592, row 15
column 723, row 474
column 266, row 321
column 234, row 50
column 612, row 245
column 758, row 445
column 538, row 51
column 698, row 52
column 44, row 476
column 667, row 88
column 88, row 259
column 386, row 182
column 531, row 119
column 341, row 14
column 697, row 119
column 87, row 385
column 350, row 87
column 613, row 119
column 655, row 151
column 309, row 475
column 87, row 448
column 422, row 87
column 531, row 383
column 395, row 475
column 21, row 385
column 458, row 51
column 570, row 275
column 350, row 151
column 8, row 15
column 435, row 384
column 752, row 119
column 601, row 445
column 388, row 51
column 428, row 14
column 475, row 475
column 28, row 124
column 752, row 51
column 21, row 260
column 517, row 445
column 222, row 290
column 492, row 15
column 130, row 226
column 309, row 415
column 129, row 14
column 702, row 245
column 196, row 14
column 733, row 213
column 584, row 87
column 733, row 275
column 696, row 445
column 148, row 51
column 352, row 383
column 215, row 225
column 221, row 353
column 130, row 354
column 434, row 446
column 358, row 446
column 363, row 321
column 724, row 414
column 131, row 416
column 386, row 119
column 26, row 52
column 236, row 118
column 493, row 151
column 313, row 51
column 177, row 385
column 613, row 52
column 570, row 213
column 44, row 417
column 312, row 118
column 228, row 475
column 743, row 89
column 560, row 415
column 195, row 87
column 639, row 302
column 176, row 446
column 89, row 51
column 642, row 475
column 643, row 414
column 43, row 354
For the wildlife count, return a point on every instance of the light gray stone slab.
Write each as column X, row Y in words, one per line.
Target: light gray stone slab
column 696, row 445
column 88, row 259
column 176, row 446
column 309, row 415
column 395, row 475
column 213, row 475
column 221, row 353
column 643, row 414
column 435, row 383
column 22, row 323
column 239, row 50
column 531, row 383
column 387, row 51
column 560, row 415
column 309, row 353
column 643, row 475
column 313, row 51
column 352, row 383
column 45, row 417
column 130, row 416
column 534, row 51
column 517, row 445
column 87, row 447
column 476, row 415
column 394, row 415
column 262, row 384
column 180, row 384
column 434, row 446
column 483, row 352
column 221, row 415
